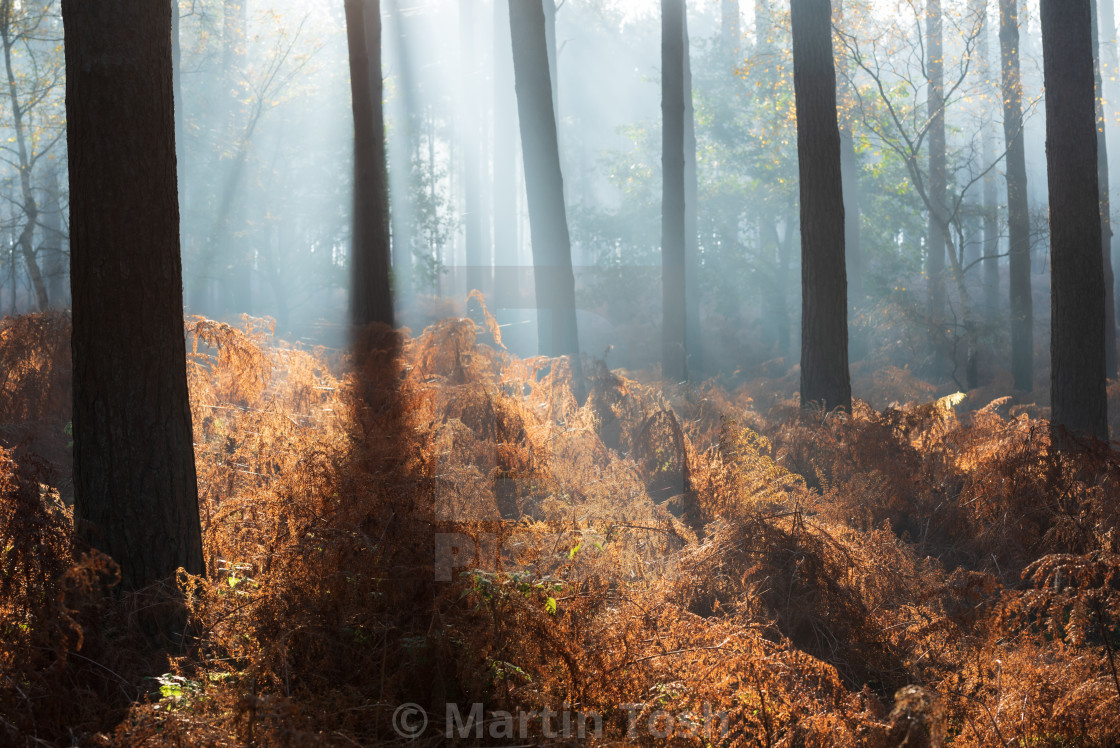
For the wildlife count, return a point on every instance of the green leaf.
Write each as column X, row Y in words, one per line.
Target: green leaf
column 550, row 606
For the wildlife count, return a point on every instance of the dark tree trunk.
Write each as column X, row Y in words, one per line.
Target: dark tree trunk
column 135, row 492
column 54, row 259
column 691, row 216
column 674, row 360
column 505, row 163
column 824, row 291
column 935, row 259
column 1077, row 297
column 1018, row 210
column 371, row 299
column 1106, row 209
column 548, row 222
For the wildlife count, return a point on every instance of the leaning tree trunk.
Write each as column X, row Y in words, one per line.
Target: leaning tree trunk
column 548, row 221
column 825, row 380
column 674, row 361
column 135, row 489
column 1018, row 210
column 371, row 299
column 1077, row 297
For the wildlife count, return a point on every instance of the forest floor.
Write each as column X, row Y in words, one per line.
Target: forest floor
column 394, row 540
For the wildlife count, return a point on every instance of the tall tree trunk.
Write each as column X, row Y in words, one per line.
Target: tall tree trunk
column 506, row 284
column 824, row 292
column 54, row 259
column 674, row 361
column 990, row 208
column 477, row 253
column 401, row 139
column 1105, row 207
column 1018, row 210
column 1077, row 297
column 691, row 215
column 136, row 497
column 548, row 222
column 371, row 298
column 935, row 259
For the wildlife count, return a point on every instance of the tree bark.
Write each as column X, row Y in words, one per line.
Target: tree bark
column 371, row 298
column 477, row 251
column 548, row 222
column 824, row 313
column 1077, row 298
column 674, row 361
column 135, row 488
column 1018, row 210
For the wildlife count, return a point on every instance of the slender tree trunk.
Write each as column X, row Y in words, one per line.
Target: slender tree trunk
column 401, row 139
column 990, row 209
column 53, row 256
column 477, row 255
column 1077, row 298
column 673, row 241
column 824, row 291
column 691, row 217
column 548, row 222
column 135, row 489
column 1105, row 207
column 370, row 294
column 505, row 163
column 1018, row 211
column 935, row 260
